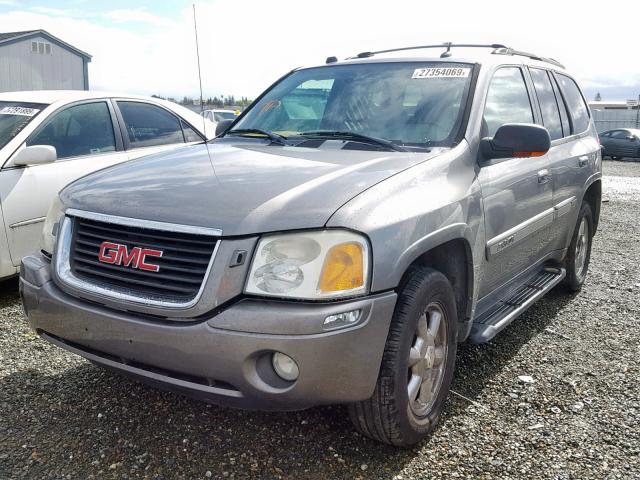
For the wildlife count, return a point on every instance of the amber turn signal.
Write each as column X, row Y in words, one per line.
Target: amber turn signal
column 343, row 268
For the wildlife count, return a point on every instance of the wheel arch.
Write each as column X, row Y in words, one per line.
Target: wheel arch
column 452, row 256
column 593, row 196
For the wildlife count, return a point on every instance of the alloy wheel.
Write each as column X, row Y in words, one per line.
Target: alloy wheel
column 427, row 360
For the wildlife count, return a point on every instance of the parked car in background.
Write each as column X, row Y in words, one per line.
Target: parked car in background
column 217, row 115
column 336, row 243
column 620, row 143
column 50, row 138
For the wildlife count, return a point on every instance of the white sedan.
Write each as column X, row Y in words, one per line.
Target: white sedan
column 217, row 115
column 50, row 138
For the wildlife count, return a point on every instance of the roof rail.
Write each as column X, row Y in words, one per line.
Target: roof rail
column 511, row 51
column 498, row 49
column 446, row 45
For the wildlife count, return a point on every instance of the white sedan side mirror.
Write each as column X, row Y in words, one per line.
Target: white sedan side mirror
column 36, row 155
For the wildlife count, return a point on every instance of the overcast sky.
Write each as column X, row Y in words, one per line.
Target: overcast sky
column 148, row 47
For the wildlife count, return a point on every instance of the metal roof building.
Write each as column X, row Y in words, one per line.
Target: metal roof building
column 37, row 60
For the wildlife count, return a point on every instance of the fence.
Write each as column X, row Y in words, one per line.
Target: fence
column 610, row 119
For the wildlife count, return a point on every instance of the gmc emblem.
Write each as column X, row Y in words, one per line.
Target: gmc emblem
column 117, row 254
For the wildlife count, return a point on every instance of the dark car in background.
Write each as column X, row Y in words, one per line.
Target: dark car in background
column 621, row 142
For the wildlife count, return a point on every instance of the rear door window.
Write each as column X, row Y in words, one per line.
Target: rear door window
column 575, row 103
column 548, row 103
column 507, row 101
column 85, row 129
column 148, row 125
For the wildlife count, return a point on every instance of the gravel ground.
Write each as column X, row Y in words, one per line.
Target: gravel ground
column 61, row 417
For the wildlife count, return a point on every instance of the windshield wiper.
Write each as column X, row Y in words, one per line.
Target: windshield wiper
column 358, row 137
column 274, row 137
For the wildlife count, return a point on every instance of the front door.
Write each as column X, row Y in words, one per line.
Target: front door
column 84, row 138
column 517, row 192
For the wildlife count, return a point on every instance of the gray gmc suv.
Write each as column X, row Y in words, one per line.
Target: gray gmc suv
column 336, row 241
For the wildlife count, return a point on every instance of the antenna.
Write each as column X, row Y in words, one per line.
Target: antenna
column 195, row 29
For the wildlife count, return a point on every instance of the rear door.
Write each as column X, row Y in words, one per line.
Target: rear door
column 578, row 162
column 85, row 140
column 517, row 192
column 149, row 128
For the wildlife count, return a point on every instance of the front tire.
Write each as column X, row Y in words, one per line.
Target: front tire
column 417, row 364
column 579, row 254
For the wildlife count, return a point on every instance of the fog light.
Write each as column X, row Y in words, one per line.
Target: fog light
column 285, row 366
column 340, row 320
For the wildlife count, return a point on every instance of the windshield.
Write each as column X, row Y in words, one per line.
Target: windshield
column 14, row 116
column 408, row 103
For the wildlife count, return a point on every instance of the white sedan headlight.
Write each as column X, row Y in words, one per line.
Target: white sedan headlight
column 310, row 265
column 51, row 226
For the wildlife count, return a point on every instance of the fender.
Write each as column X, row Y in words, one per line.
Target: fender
column 454, row 231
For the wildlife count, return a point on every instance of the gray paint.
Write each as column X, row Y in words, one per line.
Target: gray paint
column 406, row 203
column 241, row 187
column 222, row 354
column 20, row 69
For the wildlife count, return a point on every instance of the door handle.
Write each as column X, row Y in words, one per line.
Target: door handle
column 544, row 176
column 583, row 160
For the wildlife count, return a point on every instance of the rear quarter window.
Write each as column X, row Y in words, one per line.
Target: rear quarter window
column 575, row 103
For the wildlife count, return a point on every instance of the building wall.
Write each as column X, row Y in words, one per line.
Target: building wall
column 610, row 119
column 20, row 69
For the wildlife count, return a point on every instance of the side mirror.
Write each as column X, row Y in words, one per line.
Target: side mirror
column 631, row 138
column 36, row 155
column 516, row 140
column 223, row 126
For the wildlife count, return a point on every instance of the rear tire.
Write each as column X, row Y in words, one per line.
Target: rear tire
column 417, row 364
column 579, row 254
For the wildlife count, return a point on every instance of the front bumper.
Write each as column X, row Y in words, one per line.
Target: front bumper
column 222, row 358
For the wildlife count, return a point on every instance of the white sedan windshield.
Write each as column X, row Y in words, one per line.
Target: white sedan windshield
column 14, row 116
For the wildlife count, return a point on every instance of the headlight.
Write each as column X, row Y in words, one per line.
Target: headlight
column 51, row 226
column 310, row 265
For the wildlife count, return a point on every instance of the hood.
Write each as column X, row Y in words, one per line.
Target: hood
column 240, row 188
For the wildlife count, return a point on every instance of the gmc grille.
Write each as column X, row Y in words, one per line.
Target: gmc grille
column 183, row 264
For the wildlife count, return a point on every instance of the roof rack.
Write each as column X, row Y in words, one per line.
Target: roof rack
column 498, row 49
column 446, row 45
column 511, row 51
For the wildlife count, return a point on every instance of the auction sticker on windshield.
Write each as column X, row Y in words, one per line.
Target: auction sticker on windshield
column 23, row 111
column 442, row 72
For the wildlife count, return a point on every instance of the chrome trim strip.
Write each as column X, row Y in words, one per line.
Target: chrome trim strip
column 24, row 223
column 134, row 222
column 564, row 207
column 64, row 273
column 528, row 227
column 519, row 232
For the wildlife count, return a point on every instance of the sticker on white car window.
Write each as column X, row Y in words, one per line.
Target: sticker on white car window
column 23, row 111
column 441, row 72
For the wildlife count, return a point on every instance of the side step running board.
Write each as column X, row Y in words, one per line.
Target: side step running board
column 488, row 325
